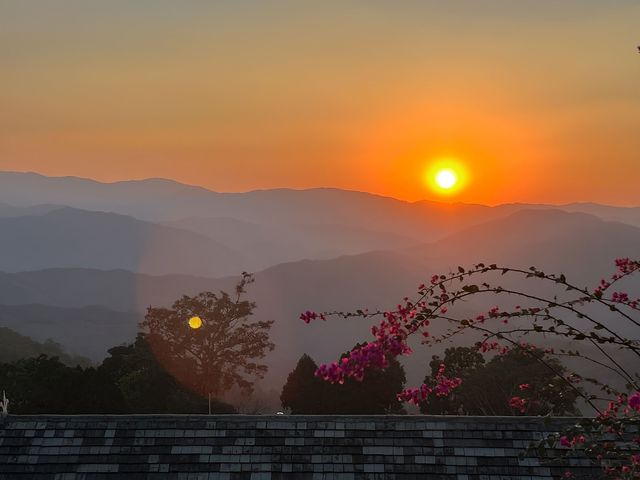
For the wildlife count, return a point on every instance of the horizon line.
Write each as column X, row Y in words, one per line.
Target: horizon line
column 294, row 189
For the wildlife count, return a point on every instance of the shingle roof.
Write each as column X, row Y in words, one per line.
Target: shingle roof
column 275, row 447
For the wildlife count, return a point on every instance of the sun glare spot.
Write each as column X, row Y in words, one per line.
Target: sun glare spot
column 195, row 322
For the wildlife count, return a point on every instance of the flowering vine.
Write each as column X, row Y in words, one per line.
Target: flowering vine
column 612, row 437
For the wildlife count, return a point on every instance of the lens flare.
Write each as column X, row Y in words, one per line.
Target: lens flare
column 195, row 322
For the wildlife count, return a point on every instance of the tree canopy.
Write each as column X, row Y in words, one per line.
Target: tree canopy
column 488, row 387
column 221, row 352
column 130, row 380
column 145, row 385
column 305, row 393
column 45, row 385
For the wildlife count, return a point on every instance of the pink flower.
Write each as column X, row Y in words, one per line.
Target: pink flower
column 524, row 386
column 625, row 265
column 634, row 401
column 307, row 316
column 620, row 297
column 415, row 395
column 564, row 441
column 443, row 387
column 518, row 403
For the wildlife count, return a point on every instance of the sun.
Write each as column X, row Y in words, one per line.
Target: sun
column 195, row 322
column 446, row 176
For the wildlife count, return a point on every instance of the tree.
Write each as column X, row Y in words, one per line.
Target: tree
column 145, row 385
column 487, row 388
column 222, row 353
column 461, row 362
column 302, row 393
column 305, row 393
column 130, row 380
column 45, row 385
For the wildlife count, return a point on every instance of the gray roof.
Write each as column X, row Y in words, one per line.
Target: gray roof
column 275, row 447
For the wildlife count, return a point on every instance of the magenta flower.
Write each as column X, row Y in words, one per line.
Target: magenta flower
column 634, row 401
column 307, row 316
column 518, row 403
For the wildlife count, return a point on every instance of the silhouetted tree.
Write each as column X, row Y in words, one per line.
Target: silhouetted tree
column 488, row 388
column 461, row 362
column 304, row 393
column 45, row 385
column 222, row 353
column 145, row 385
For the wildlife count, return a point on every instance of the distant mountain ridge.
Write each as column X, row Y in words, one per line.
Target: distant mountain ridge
column 69, row 237
column 163, row 200
column 88, row 331
column 14, row 346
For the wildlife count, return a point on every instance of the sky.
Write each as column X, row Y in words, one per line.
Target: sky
column 538, row 100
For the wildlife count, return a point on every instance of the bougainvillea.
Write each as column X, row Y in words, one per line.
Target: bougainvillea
column 595, row 318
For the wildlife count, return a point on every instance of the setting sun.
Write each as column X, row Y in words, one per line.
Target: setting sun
column 446, row 176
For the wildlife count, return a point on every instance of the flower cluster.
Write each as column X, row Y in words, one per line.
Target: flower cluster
column 573, row 441
column 626, row 266
column 357, row 361
column 307, row 316
column 518, row 403
column 442, row 388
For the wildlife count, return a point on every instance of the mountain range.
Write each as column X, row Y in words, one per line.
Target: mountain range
column 82, row 260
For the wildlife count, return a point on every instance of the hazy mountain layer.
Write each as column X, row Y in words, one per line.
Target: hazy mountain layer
column 14, row 346
column 167, row 200
column 88, row 331
column 74, row 238
column 581, row 246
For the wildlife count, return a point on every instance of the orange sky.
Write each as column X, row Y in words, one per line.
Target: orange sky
column 539, row 98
